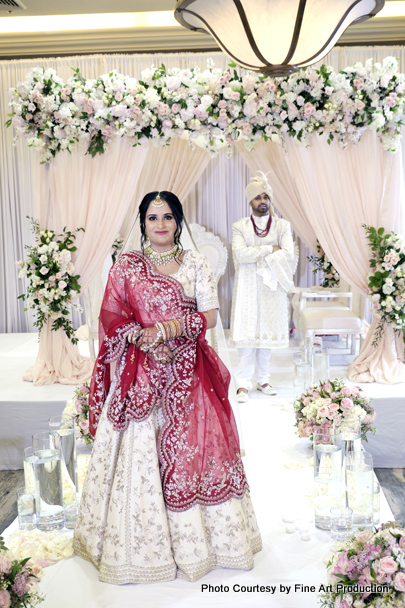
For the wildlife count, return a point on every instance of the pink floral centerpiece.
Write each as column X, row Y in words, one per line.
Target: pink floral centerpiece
column 368, row 570
column 18, row 580
column 321, row 404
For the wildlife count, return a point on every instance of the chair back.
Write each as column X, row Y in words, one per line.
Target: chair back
column 212, row 247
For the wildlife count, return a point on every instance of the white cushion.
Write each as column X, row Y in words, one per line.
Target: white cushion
column 336, row 304
column 329, row 318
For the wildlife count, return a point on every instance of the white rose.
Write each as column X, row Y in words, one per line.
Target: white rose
column 44, row 270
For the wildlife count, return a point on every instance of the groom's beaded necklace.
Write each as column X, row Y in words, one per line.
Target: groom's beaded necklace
column 261, row 231
column 160, row 258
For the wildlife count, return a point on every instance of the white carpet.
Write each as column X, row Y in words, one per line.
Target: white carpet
column 285, row 559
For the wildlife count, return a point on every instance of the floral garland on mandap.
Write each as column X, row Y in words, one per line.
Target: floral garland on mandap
column 18, row 580
column 331, row 277
column 387, row 282
column 221, row 106
column 321, row 404
column 78, row 408
column 368, row 570
column 52, row 284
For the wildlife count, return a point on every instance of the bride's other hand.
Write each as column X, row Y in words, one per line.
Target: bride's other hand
column 147, row 339
column 162, row 354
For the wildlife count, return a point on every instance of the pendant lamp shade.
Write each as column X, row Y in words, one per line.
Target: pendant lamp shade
column 274, row 37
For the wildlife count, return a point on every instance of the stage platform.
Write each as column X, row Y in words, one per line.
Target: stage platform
column 25, row 408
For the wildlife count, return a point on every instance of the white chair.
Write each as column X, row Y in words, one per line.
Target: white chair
column 217, row 255
column 212, row 247
column 329, row 318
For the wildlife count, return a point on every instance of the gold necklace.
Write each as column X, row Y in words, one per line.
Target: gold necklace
column 160, row 258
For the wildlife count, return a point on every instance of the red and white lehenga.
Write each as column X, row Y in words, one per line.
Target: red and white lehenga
column 165, row 493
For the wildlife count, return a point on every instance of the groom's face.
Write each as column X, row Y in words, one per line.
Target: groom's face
column 260, row 204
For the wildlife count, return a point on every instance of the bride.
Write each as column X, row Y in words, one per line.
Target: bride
column 165, row 493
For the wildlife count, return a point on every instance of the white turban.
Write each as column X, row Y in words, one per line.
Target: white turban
column 258, row 185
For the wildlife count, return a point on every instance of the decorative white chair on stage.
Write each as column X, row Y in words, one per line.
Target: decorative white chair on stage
column 329, row 318
column 217, row 255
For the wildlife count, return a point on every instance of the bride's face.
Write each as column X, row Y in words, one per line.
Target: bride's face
column 160, row 227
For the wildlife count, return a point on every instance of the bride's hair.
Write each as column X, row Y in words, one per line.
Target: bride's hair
column 175, row 207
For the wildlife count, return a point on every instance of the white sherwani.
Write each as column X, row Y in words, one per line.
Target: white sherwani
column 259, row 316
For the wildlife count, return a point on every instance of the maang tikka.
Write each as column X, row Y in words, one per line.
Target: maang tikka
column 158, row 201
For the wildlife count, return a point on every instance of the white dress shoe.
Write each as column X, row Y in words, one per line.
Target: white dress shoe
column 267, row 390
column 242, row 397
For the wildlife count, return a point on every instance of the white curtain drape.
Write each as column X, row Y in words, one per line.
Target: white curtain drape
column 16, row 162
column 341, row 190
column 78, row 191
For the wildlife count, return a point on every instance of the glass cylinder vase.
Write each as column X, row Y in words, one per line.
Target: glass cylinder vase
column 360, row 488
column 327, row 478
column 48, row 482
column 64, row 432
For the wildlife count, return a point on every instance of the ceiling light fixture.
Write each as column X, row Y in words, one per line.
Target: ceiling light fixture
column 274, row 37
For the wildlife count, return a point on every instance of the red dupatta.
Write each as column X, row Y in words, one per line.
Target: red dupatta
column 198, row 445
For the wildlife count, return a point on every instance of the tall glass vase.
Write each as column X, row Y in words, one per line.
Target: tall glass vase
column 48, row 482
column 302, row 374
column 327, row 478
column 64, row 435
column 360, row 488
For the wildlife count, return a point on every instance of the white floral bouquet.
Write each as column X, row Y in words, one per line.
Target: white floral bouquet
column 320, row 405
column 18, row 580
column 52, row 282
column 387, row 283
column 78, row 408
column 218, row 107
column 321, row 262
column 368, row 570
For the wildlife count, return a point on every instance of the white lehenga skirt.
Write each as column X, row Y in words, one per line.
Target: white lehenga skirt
column 124, row 528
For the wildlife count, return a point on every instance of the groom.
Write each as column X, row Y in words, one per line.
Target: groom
column 263, row 252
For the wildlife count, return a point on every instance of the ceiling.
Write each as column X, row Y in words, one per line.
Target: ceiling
column 80, row 7
column 376, row 31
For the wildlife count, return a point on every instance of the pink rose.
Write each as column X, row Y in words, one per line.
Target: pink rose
column 387, row 565
column 118, row 96
column 235, row 96
column 364, row 536
column 307, row 401
column 309, row 109
column 107, row 132
column 323, row 411
column 399, row 581
column 84, row 425
column 358, row 83
column 5, row 599
column 346, row 404
column 359, row 104
column 333, row 407
column 167, row 124
column 346, row 390
column 176, row 107
column 5, row 564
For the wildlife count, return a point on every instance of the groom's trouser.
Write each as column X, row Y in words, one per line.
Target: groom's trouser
column 249, row 360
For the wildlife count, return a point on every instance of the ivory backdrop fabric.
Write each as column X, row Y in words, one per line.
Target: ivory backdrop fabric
column 16, row 189
column 341, row 190
column 78, row 191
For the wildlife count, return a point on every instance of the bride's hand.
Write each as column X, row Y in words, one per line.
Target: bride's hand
column 147, row 339
column 162, row 354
